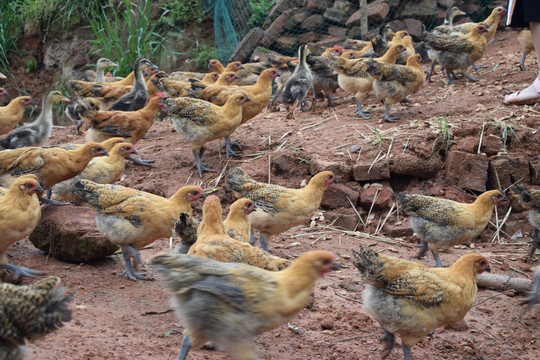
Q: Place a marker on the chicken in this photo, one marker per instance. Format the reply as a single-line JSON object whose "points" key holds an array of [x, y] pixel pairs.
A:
{"points": [[530, 200], [200, 121], [133, 219], [19, 215], [137, 98], [457, 52], [131, 125], [52, 165], [226, 81], [250, 72], [230, 304], [380, 46], [259, 95], [324, 79], [278, 208], [525, 39], [12, 113], [443, 223], [393, 83], [175, 87], [30, 312], [217, 66], [237, 224], [298, 85], [214, 243], [37, 132], [353, 78], [411, 300], [101, 170], [465, 28]]}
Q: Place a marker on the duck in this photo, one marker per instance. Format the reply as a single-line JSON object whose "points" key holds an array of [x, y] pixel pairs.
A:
{"points": [[99, 74], [137, 98], [37, 132]]}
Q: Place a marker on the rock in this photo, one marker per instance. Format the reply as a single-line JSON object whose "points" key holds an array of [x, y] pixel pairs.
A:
{"points": [[461, 326], [379, 171], [247, 45], [308, 37], [313, 22], [445, 3], [468, 144], [259, 54], [510, 169], [69, 233], [400, 230], [278, 9], [287, 43], [340, 12], [474, 166], [491, 145], [356, 33], [340, 169], [423, 10], [325, 41], [319, 5], [376, 12], [337, 31], [413, 165], [384, 201], [415, 28], [336, 196], [285, 164], [70, 49], [273, 32], [396, 25], [349, 222]]}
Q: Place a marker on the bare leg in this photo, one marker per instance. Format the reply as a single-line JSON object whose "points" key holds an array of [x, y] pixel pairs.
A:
{"points": [[437, 260], [228, 147], [19, 271], [531, 92], [200, 165], [186, 345], [423, 249], [263, 243], [406, 351], [359, 111], [532, 299], [140, 161], [431, 68], [522, 62], [129, 253], [535, 243], [478, 67], [252, 238], [390, 340], [472, 78], [387, 116]]}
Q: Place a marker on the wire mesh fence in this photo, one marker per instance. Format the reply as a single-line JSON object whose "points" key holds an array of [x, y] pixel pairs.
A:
{"points": [[240, 26]]}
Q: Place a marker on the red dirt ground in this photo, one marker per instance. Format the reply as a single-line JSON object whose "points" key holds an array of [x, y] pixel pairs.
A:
{"points": [[114, 318]]}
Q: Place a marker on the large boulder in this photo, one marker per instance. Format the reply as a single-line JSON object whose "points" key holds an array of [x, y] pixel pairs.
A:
{"points": [[467, 171], [69, 233]]}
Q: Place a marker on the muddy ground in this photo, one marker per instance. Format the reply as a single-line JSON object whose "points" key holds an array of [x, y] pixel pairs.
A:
{"points": [[114, 318]]}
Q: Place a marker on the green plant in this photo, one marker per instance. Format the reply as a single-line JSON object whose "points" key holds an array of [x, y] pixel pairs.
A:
{"points": [[10, 30], [443, 137], [126, 34], [259, 11], [182, 12], [201, 53], [505, 126], [31, 66]]}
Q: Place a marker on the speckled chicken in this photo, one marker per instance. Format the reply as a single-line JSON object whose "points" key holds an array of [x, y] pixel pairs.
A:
{"points": [[279, 208], [132, 218], [30, 312], [200, 121], [102, 170], [380, 46], [530, 200], [230, 304], [411, 300], [38, 131], [393, 83], [213, 242], [353, 77], [298, 85], [457, 53], [443, 223], [19, 215], [12, 114]]}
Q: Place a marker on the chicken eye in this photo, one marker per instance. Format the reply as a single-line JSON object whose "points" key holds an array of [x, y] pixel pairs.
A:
{"points": [[29, 185], [326, 262]]}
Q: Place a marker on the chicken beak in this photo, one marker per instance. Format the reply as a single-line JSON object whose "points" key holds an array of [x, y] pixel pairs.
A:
{"points": [[39, 189], [336, 266], [133, 151], [488, 268], [105, 153]]}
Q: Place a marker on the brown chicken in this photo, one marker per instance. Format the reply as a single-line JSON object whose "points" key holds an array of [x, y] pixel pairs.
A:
{"points": [[237, 224], [217, 66], [12, 113], [101, 170], [278, 208], [133, 219], [525, 39], [251, 72], [29, 313], [52, 165], [530, 200], [457, 53], [131, 125], [411, 300], [200, 121], [393, 83], [353, 78], [19, 215], [443, 223], [213, 242], [230, 304]]}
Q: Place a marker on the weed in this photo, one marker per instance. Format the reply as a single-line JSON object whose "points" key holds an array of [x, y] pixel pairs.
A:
{"points": [[182, 12], [31, 66], [10, 30], [443, 137], [505, 126], [201, 53], [259, 11]]}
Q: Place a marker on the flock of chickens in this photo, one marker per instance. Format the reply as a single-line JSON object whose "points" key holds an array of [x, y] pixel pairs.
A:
{"points": [[216, 272]]}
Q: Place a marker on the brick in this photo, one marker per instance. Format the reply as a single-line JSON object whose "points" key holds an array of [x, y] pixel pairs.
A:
{"points": [[467, 171], [379, 171]]}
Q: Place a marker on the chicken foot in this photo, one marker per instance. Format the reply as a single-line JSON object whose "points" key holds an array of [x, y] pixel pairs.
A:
{"points": [[478, 67], [390, 340], [129, 253], [387, 116], [522, 62], [184, 349], [140, 161], [19, 271], [228, 147], [423, 249], [359, 111], [535, 243], [200, 166]]}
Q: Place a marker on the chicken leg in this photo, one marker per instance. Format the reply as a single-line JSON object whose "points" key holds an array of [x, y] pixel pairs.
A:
{"points": [[19, 271], [129, 253], [184, 349], [535, 243], [359, 111], [387, 116], [140, 161], [228, 147], [200, 166], [423, 249]]}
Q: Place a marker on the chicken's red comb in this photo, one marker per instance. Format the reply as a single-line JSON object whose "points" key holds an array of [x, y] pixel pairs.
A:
{"points": [[160, 94], [109, 74]]}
